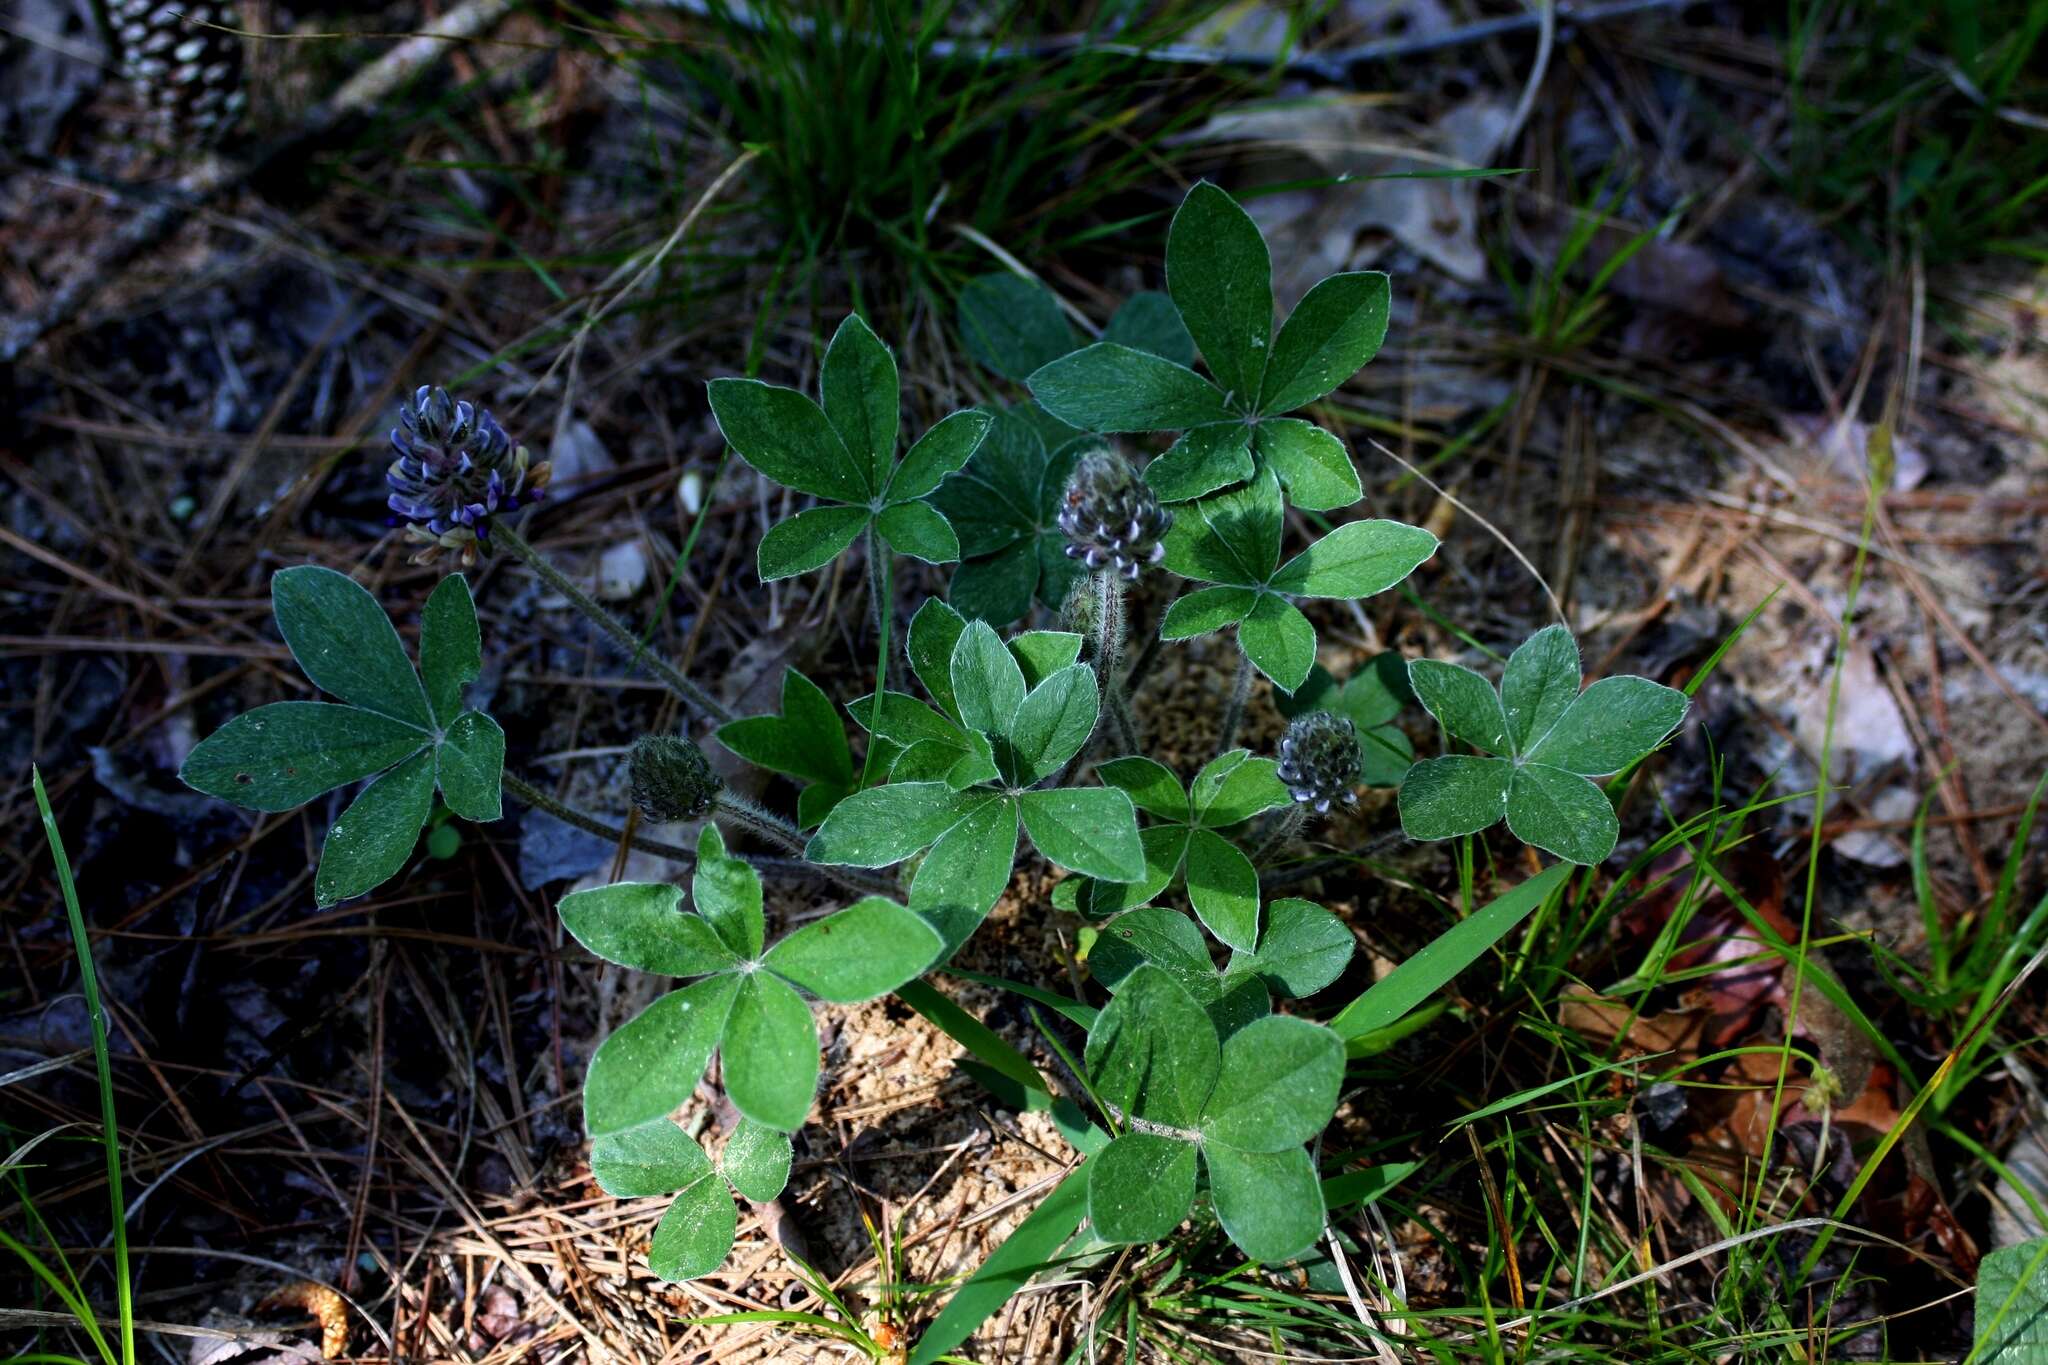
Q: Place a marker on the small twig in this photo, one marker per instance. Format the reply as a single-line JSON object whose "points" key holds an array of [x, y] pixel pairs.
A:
{"points": [[614, 629], [1491, 529]]}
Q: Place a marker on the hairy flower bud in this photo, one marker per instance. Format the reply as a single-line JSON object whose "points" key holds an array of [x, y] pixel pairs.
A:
{"points": [[456, 467], [1320, 761], [184, 63], [671, 778], [1111, 516]]}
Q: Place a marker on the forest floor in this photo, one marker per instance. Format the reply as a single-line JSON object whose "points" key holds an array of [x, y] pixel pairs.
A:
{"points": [[382, 1098]]}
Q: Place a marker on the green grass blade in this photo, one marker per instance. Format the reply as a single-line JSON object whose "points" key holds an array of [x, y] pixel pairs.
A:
{"points": [[968, 1031], [89, 981], [1431, 969], [1023, 1254]]}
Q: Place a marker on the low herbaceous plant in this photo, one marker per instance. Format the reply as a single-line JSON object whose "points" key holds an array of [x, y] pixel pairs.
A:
{"points": [[927, 783]]}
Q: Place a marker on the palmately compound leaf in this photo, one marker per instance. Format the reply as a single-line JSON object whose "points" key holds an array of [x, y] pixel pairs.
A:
{"points": [[843, 451], [1169, 941], [1140, 1187], [280, 756], [1219, 275], [1543, 739], [868, 949]]}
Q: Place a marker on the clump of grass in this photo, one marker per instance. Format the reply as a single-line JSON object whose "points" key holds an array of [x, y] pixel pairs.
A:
{"points": [[1917, 124], [897, 138]]}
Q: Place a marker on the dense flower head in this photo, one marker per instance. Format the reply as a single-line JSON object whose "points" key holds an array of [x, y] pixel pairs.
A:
{"points": [[1320, 761], [1111, 516], [455, 469], [672, 780]]}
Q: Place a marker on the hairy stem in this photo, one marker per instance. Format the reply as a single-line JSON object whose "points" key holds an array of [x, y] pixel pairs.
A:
{"points": [[759, 819], [1141, 667], [1233, 714], [1108, 647], [615, 630], [1284, 827]]}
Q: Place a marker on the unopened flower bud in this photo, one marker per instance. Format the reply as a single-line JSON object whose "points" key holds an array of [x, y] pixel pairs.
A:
{"points": [[456, 468], [671, 778], [1320, 761], [1111, 516]]}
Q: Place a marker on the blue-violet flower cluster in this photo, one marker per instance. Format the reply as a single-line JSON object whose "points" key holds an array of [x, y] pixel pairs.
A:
{"points": [[456, 468]]}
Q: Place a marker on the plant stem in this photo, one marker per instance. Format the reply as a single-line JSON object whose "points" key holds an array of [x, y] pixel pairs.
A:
{"points": [[614, 629], [89, 983], [1108, 625], [759, 819], [788, 869], [1285, 827], [1233, 714], [1141, 667]]}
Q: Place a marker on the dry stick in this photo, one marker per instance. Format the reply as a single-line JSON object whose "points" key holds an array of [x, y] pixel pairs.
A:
{"points": [[614, 629], [218, 174], [1491, 529]]}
